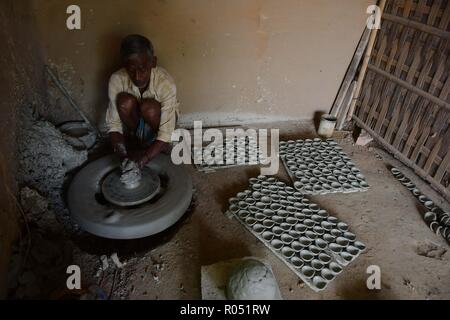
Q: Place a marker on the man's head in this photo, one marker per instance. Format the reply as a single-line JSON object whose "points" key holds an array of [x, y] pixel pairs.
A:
{"points": [[138, 58]]}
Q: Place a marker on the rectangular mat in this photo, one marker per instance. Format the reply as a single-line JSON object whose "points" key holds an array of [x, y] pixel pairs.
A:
{"points": [[312, 243], [320, 167]]}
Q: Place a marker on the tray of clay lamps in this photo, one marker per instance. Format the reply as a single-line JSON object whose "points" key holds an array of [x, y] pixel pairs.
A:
{"points": [[320, 167], [313, 244], [241, 151]]}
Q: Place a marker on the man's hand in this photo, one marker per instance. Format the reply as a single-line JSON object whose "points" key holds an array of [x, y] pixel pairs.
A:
{"points": [[142, 160], [156, 148], [118, 144]]}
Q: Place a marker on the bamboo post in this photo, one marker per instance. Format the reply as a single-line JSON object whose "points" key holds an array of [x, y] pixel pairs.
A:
{"points": [[440, 102], [336, 110], [362, 73], [345, 105]]}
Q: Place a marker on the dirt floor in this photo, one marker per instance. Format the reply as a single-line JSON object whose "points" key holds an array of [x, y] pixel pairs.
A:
{"points": [[387, 218]]}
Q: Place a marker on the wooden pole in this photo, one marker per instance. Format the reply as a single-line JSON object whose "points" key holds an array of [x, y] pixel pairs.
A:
{"points": [[417, 25], [362, 73], [345, 105], [350, 75], [410, 87]]}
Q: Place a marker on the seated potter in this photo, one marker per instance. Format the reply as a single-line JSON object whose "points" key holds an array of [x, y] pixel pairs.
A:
{"points": [[143, 106]]}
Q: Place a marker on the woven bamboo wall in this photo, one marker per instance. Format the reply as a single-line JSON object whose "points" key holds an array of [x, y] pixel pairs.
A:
{"points": [[405, 96]]}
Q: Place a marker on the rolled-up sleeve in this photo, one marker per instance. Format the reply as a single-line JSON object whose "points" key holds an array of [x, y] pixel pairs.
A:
{"points": [[113, 122], [166, 95]]}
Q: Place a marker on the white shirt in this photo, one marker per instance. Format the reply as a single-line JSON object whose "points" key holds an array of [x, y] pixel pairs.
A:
{"points": [[161, 88]]}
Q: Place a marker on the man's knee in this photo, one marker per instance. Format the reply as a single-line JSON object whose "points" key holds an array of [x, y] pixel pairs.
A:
{"points": [[126, 102], [150, 108]]}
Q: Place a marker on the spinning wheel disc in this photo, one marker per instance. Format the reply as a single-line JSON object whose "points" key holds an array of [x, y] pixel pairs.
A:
{"points": [[115, 191]]}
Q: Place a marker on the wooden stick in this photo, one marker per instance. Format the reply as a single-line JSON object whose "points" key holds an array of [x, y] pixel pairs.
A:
{"points": [[345, 106], [410, 87], [417, 25], [350, 75], [362, 73]]}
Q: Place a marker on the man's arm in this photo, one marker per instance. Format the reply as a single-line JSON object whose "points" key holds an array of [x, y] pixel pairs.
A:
{"points": [[113, 122]]}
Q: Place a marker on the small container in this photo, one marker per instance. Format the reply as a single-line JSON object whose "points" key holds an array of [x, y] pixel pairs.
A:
{"points": [[277, 230], [277, 219], [319, 282], [324, 258], [258, 228], [243, 214], [326, 126], [250, 221], [307, 272], [297, 246], [327, 274], [305, 242], [335, 268], [268, 223], [317, 265], [286, 239], [268, 236], [306, 255], [297, 262], [287, 252], [277, 244]]}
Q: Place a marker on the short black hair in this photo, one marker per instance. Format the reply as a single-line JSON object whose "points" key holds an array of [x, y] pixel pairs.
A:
{"points": [[135, 43]]}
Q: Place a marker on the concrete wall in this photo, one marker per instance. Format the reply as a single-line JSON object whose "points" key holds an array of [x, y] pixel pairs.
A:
{"points": [[233, 60], [22, 83]]}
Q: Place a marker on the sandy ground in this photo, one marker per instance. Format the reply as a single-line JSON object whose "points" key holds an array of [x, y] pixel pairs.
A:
{"points": [[386, 218]]}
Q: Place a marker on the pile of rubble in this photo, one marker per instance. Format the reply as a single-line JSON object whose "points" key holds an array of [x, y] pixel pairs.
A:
{"points": [[44, 159], [40, 258]]}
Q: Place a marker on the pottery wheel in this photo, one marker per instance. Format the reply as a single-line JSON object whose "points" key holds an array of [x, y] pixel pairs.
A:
{"points": [[102, 218], [116, 192]]}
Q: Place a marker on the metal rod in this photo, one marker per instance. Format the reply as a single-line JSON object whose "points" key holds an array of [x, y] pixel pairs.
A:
{"points": [[72, 103]]}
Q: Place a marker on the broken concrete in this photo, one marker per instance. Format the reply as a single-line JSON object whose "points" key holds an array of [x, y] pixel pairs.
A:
{"points": [[364, 138], [430, 249]]}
